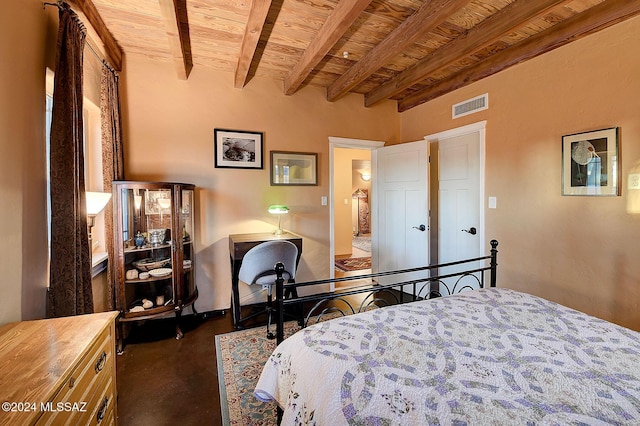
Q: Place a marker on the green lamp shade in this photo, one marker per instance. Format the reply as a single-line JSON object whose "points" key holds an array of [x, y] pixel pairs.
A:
{"points": [[278, 209]]}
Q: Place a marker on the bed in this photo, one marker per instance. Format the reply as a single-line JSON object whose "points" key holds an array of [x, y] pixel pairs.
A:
{"points": [[482, 356]]}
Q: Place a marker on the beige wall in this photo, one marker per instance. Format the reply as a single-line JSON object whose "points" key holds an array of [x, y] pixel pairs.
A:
{"points": [[23, 228], [169, 136], [579, 251]]}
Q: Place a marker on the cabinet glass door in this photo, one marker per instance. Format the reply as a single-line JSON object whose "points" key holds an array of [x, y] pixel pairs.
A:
{"points": [[186, 225], [148, 254]]}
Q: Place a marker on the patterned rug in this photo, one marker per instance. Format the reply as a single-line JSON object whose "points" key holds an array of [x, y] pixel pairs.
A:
{"points": [[353, 264], [363, 243], [240, 356]]}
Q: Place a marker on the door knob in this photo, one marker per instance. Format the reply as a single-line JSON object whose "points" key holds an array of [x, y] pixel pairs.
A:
{"points": [[420, 228], [471, 230]]}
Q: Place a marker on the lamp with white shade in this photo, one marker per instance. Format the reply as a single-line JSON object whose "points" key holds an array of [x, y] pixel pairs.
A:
{"points": [[96, 202]]}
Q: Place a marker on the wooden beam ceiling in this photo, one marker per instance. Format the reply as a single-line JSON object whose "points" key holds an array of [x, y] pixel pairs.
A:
{"points": [[482, 35], [112, 50], [255, 24], [410, 51], [340, 20], [429, 16], [180, 51], [592, 20]]}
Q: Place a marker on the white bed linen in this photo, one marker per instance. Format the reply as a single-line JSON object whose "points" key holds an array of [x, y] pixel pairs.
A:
{"points": [[491, 356]]}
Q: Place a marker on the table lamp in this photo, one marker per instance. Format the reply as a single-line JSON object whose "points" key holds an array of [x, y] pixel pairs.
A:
{"points": [[278, 209]]}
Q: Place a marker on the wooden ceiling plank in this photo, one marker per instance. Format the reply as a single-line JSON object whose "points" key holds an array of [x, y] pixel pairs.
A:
{"points": [[257, 18], [482, 35], [112, 50], [179, 52], [428, 17], [338, 22], [588, 22]]}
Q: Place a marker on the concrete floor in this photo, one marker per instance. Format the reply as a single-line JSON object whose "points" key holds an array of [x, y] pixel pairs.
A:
{"points": [[164, 381]]}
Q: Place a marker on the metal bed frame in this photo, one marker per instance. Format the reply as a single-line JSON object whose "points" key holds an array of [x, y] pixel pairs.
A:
{"points": [[431, 285]]}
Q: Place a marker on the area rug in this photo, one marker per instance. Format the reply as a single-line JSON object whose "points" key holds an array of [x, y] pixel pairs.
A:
{"points": [[353, 264], [363, 243], [240, 357]]}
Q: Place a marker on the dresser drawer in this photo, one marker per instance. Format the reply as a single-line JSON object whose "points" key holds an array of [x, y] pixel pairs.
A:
{"points": [[83, 393], [104, 403]]}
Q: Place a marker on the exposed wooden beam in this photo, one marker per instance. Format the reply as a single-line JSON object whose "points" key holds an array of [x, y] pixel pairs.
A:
{"points": [[112, 50], [257, 18], [590, 21], [429, 16], [340, 20], [180, 52], [484, 34]]}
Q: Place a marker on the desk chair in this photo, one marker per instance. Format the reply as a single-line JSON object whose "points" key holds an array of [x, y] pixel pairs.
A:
{"points": [[258, 268]]}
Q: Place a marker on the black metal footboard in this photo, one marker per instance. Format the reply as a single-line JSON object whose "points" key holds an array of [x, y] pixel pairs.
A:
{"points": [[382, 288]]}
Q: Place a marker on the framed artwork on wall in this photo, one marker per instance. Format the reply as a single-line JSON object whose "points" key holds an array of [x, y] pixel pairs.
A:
{"points": [[591, 163], [238, 149], [294, 168]]}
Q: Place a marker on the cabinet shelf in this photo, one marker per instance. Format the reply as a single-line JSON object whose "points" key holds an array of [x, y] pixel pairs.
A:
{"points": [[152, 278], [146, 248], [162, 213], [149, 280]]}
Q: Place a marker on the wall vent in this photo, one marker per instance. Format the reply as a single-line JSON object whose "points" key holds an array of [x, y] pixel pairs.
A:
{"points": [[470, 106]]}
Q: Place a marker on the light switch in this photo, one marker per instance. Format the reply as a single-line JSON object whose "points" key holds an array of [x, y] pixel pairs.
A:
{"points": [[493, 202], [323, 200], [346, 201], [634, 181]]}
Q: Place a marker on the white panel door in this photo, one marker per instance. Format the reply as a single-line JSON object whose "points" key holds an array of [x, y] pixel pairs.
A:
{"points": [[400, 208], [459, 215]]}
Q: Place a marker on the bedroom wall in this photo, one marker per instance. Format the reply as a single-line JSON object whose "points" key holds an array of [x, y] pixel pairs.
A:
{"points": [[168, 133], [23, 256], [578, 251]]}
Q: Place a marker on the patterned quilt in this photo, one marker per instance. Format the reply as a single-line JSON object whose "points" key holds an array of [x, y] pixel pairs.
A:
{"points": [[491, 356]]}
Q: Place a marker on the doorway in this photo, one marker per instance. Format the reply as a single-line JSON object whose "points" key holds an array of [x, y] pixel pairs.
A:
{"points": [[350, 201], [476, 241]]}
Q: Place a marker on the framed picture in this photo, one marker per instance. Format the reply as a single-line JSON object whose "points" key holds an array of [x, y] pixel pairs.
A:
{"points": [[238, 149], [591, 163], [294, 168]]}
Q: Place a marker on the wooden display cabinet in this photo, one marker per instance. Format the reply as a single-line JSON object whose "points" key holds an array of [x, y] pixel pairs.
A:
{"points": [[154, 251]]}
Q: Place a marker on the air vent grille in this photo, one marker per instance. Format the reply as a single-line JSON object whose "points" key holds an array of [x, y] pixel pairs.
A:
{"points": [[470, 106]]}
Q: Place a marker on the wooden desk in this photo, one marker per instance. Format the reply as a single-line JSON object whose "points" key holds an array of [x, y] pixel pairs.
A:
{"points": [[239, 245]]}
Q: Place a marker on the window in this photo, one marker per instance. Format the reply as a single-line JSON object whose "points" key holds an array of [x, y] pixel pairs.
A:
{"points": [[92, 164]]}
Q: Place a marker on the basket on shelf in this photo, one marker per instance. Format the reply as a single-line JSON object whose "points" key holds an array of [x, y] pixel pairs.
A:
{"points": [[147, 264]]}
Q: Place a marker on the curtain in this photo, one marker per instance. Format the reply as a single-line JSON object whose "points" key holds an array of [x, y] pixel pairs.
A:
{"points": [[112, 162], [70, 267]]}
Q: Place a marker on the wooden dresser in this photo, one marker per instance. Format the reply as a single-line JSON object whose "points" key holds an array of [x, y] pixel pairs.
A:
{"points": [[59, 371]]}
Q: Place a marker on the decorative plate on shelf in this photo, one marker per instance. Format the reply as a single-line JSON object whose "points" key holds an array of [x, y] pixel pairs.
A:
{"points": [[160, 272]]}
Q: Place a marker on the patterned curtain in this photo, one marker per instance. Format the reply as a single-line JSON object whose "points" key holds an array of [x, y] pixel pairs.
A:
{"points": [[70, 267], [112, 162]]}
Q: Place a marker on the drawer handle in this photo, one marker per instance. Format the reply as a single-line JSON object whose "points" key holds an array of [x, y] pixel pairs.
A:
{"points": [[102, 411], [101, 362]]}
